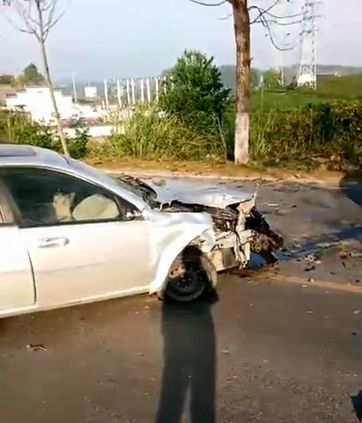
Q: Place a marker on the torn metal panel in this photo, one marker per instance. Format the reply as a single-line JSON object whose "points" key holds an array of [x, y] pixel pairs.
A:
{"points": [[218, 197]]}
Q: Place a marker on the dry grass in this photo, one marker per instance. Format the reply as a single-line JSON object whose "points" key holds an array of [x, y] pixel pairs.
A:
{"points": [[209, 169]]}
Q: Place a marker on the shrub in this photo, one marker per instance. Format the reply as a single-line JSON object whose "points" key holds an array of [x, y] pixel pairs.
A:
{"points": [[153, 135], [18, 128], [303, 134], [321, 129], [78, 145], [194, 86]]}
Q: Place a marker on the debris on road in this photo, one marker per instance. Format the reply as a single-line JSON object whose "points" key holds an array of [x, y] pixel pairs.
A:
{"points": [[312, 258], [309, 268], [357, 312], [36, 347]]}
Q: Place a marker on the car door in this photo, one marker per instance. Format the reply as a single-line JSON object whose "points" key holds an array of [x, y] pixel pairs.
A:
{"points": [[83, 241], [16, 278]]}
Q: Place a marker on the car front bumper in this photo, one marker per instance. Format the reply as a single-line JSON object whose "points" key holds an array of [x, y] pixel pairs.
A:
{"points": [[233, 249]]}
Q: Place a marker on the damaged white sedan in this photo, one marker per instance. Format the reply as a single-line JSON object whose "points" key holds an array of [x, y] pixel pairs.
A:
{"points": [[70, 234]]}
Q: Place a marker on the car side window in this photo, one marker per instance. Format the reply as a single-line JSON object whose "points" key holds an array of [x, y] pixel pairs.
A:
{"points": [[6, 215], [45, 197]]}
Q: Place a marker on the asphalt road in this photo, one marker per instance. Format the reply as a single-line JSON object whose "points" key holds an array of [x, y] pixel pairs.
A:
{"points": [[282, 345]]}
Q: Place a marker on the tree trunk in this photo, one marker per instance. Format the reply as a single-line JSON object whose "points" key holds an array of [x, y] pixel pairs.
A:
{"points": [[49, 81], [242, 120]]}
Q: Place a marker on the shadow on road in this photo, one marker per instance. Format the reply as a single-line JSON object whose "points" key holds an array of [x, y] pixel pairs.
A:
{"points": [[189, 362], [357, 405], [351, 185]]}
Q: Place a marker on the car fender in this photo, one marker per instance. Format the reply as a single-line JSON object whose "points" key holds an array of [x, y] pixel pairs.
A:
{"points": [[171, 235]]}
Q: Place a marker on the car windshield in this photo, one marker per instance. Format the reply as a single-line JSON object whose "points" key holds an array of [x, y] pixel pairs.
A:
{"points": [[126, 182]]}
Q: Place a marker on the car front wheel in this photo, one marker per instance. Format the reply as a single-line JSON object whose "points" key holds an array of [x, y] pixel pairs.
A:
{"points": [[191, 275]]}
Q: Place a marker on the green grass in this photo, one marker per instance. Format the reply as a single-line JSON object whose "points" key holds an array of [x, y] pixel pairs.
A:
{"points": [[331, 89]]}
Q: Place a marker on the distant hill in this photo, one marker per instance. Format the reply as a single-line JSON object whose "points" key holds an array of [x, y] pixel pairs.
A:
{"points": [[338, 69], [228, 75]]}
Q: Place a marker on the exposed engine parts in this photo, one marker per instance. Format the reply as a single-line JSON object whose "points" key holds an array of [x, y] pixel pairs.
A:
{"points": [[264, 241]]}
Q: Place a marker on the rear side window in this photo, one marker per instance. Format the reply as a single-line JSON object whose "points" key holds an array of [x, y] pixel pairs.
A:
{"points": [[45, 197]]}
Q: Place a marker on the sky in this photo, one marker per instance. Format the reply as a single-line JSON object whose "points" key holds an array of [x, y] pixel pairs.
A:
{"points": [[133, 38]]}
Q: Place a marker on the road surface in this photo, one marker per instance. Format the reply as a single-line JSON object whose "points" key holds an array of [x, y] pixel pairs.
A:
{"points": [[281, 345]]}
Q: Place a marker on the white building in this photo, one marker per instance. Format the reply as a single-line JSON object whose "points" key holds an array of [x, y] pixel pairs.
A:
{"points": [[37, 102], [90, 92]]}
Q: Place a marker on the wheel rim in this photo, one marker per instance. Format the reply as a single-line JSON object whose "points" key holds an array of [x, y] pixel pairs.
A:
{"points": [[186, 279]]}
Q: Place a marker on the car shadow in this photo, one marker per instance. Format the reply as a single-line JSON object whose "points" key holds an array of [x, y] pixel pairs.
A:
{"points": [[189, 361], [351, 186], [357, 405]]}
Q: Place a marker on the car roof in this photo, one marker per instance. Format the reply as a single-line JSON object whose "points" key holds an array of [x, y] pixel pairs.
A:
{"points": [[27, 155]]}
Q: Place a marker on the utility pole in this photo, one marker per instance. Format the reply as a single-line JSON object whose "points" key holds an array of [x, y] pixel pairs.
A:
{"points": [[148, 86], [157, 87], [119, 93], [106, 98], [142, 90], [133, 92], [128, 93], [75, 95]]}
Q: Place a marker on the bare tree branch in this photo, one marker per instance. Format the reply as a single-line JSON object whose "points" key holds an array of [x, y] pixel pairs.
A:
{"points": [[220, 3], [51, 24], [38, 18]]}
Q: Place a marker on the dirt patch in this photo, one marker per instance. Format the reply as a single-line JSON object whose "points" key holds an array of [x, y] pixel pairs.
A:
{"points": [[220, 170]]}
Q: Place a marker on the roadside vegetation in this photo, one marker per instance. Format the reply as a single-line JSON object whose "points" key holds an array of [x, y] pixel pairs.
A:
{"points": [[293, 128], [194, 121], [18, 128]]}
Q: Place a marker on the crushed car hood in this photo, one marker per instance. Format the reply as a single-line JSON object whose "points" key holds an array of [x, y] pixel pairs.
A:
{"points": [[218, 197]]}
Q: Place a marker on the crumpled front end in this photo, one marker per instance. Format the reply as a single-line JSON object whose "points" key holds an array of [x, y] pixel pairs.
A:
{"points": [[240, 231], [265, 241], [233, 238], [239, 228]]}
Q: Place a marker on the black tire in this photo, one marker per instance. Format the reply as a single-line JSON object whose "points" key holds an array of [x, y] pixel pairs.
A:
{"points": [[191, 275]]}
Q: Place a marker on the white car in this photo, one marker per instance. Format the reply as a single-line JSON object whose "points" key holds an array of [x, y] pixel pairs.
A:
{"points": [[70, 234]]}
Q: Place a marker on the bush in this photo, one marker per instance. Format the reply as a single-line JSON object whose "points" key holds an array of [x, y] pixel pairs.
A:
{"points": [[192, 86], [78, 146], [325, 130], [193, 92], [151, 134], [18, 128], [329, 132]]}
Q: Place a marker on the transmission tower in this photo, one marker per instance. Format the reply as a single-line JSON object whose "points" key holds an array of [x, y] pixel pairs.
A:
{"points": [[307, 75], [285, 32]]}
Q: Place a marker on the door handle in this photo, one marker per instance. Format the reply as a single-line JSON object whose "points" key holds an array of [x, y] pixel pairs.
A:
{"points": [[52, 242]]}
